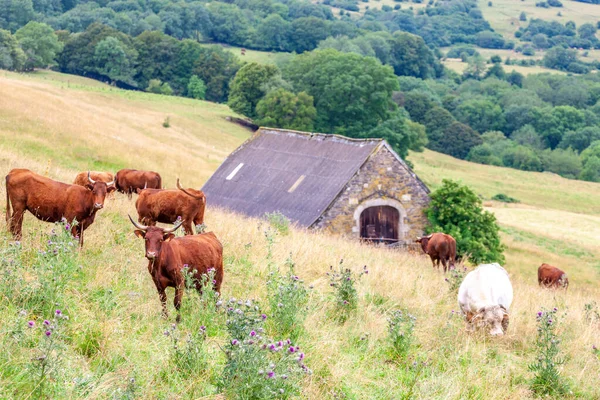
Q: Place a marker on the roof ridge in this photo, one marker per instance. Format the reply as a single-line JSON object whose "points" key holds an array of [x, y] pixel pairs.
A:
{"points": [[264, 129]]}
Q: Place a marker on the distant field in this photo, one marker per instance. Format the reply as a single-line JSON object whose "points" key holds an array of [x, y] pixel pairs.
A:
{"points": [[262, 57], [376, 5], [458, 66], [503, 16]]}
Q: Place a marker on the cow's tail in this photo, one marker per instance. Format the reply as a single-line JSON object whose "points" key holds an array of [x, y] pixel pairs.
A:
{"points": [[159, 181], [7, 202], [452, 254], [201, 197]]}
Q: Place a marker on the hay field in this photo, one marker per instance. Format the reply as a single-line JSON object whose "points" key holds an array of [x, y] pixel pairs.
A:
{"points": [[115, 333], [503, 16], [458, 66]]}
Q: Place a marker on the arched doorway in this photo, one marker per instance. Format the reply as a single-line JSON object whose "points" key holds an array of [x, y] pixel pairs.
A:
{"points": [[380, 224]]}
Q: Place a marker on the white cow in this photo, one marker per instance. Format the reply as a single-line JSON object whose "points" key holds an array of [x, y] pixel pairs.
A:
{"points": [[484, 296]]}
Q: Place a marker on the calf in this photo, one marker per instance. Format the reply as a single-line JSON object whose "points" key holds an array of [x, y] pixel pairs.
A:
{"points": [[439, 247], [552, 277], [129, 180], [166, 206], [52, 201], [485, 296], [167, 256]]}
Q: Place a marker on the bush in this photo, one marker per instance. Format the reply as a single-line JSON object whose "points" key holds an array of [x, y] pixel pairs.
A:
{"points": [[547, 379], [523, 16], [158, 87], [456, 210], [504, 198], [555, 3], [196, 88], [523, 158], [566, 163]]}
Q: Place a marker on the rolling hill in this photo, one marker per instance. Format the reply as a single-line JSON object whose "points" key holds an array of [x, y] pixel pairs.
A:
{"points": [[113, 345]]}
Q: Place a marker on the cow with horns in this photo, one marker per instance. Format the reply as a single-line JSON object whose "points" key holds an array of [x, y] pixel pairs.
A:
{"points": [[52, 201], [82, 178], [439, 247], [129, 180], [168, 256], [166, 206]]}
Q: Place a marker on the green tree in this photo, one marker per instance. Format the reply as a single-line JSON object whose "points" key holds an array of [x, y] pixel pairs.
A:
{"points": [[12, 56], [457, 140], [553, 123], [353, 94], [564, 162], [476, 68], [481, 114], [521, 157], [40, 44], [591, 170], [402, 134], [158, 87], [456, 210], [216, 67], [418, 104], [283, 109], [436, 120], [411, 56], [247, 87], [273, 33], [196, 88], [580, 139], [559, 58], [587, 31], [112, 61]]}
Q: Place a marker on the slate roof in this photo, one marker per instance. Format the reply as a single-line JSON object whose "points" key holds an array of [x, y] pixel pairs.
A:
{"points": [[298, 174]]}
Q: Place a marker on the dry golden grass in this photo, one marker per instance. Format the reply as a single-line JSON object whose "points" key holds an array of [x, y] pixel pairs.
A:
{"points": [[59, 131], [459, 66]]}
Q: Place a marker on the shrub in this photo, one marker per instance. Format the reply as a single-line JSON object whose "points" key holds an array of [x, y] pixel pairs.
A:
{"points": [[196, 88], [158, 87], [167, 122], [287, 298], [504, 198], [523, 16], [401, 326], [547, 379], [456, 210], [279, 222]]}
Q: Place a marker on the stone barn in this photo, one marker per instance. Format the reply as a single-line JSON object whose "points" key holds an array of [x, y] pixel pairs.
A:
{"points": [[358, 188]]}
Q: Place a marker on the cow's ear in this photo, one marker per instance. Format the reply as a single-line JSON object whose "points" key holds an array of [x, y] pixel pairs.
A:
{"points": [[89, 186], [139, 233], [110, 189], [168, 237]]}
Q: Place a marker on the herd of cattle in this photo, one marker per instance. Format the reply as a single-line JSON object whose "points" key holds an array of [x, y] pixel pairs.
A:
{"points": [[167, 255], [484, 296]]}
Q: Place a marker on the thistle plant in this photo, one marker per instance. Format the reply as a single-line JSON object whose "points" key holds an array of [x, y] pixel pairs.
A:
{"points": [[591, 313], [401, 326], [46, 362], [455, 278], [258, 367], [206, 313], [547, 379], [287, 299], [188, 352], [345, 294]]}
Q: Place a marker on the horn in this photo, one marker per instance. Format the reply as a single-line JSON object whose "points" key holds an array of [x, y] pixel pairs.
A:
{"points": [[139, 226], [90, 179], [111, 182], [178, 185], [173, 229]]}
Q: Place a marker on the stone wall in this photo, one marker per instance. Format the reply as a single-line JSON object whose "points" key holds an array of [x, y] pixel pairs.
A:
{"points": [[382, 180]]}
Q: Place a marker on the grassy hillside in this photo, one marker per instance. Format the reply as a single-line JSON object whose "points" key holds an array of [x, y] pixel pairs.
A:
{"points": [[113, 344]]}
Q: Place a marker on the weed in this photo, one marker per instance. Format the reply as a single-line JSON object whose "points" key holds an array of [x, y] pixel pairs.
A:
{"points": [[591, 313], [258, 367], [167, 122], [188, 353], [455, 278], [279, 222], [287, 299], [401, 326], [346, 296], [547, 379]]}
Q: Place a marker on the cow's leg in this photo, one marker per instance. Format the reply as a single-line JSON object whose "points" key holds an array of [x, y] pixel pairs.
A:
{"points": [[16, 222], [444, 264], [432, 261], [163, 300], [178, 296], [187, 227]]}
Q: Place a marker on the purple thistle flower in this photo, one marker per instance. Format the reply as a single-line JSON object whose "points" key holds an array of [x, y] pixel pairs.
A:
{"points": [[264, 316], [555, 309], [594, 347], [272, 347], [549, 322], [366, 271], [46, 322], [288, 341], [295, 278], [280, 344], [202, 328], [253, 333], [67, 227], [58, 312], [270, 374], [291, 349], [234, 342], [539, 314], [31, 324], [48, 333], [301, 357], [348, 278]]}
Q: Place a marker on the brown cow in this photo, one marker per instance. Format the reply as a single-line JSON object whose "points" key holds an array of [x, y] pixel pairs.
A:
{"points": [[440, 247], [167, 256], [550, 276], [82, 178], [166, 206], [129, 180], [52, 201]]}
